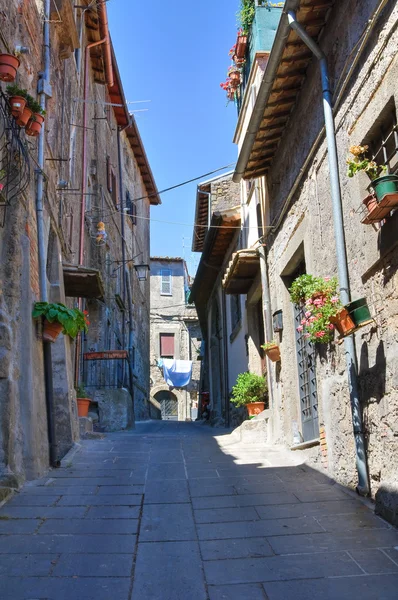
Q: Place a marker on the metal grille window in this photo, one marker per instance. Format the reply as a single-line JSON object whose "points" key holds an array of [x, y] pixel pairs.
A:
{"points": [[307, 380], [165, 282], [384, 145]]}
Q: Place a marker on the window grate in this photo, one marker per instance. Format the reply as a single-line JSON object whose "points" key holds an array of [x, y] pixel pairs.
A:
{"points": [[384, 148]]}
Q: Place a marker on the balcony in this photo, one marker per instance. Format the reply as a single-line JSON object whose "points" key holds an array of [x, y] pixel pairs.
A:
{"points": [[261, 37]]}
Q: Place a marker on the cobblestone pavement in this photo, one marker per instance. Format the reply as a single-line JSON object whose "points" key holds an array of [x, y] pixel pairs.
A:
{"points": [[164, 513]]}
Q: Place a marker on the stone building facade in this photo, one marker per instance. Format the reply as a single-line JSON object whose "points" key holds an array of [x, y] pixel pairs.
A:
{"points": [[282, 147], [80, 271], [175, 333]]}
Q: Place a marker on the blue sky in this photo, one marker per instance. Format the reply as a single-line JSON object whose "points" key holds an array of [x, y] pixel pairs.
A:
{"points": [[175, 54]]}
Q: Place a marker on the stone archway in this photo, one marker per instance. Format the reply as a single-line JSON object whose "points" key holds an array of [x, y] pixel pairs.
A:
{"points": [[156, 395]]}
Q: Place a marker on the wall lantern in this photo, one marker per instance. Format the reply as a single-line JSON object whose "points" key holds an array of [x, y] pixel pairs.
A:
{"points": [[277, 320], [142, 272]]}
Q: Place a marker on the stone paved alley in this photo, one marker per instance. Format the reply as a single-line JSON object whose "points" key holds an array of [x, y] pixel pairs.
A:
{"points": [[165, 513]]}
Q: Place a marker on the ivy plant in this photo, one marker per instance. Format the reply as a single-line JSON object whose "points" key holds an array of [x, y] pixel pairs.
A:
{"points": [[248, 388], [72, 320]]}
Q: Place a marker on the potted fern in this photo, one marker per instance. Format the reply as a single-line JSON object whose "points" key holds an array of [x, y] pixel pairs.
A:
{"points": [[36, 121], [272, 350], [58, 317], [17, 97], [250, 390]]}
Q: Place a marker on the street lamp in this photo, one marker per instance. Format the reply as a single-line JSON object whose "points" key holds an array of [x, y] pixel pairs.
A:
{"points": [[142, 272]]}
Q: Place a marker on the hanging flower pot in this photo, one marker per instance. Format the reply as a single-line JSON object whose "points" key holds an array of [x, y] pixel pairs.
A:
{"points": [[255, 408], [387, 184], [9, 65], [34, 125], [51, 330], [83, 405], [17, 105], [343, 322], [359, 312], [240, 49], [370, 202], [272, 350], [24, 117], [235, 77]]}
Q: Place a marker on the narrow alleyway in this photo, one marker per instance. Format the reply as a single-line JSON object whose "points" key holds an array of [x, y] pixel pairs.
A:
{"points": [[164, 513]]}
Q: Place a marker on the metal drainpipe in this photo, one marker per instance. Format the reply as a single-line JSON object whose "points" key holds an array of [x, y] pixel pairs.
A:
{"points": [[131, 338], [44, 89], [363, 487]]}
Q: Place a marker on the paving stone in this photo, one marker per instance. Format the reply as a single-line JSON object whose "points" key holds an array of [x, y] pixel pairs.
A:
{"points": [[166, 492], [103, 500], [60, 490], [237, 592], [238, 548], [94, 565], [315, 509], [120, 490], [43, 512], [28, 500], [166, 471], [79, 544], [341, 588], [25, 565], [19, 526], [225, 515], [113, 512], [249, 570], [374, 561], [122, 526], [199, 488], [365, 520], [168, 571], [169, 522], [329, 542], [278, 527], [55, 588], [201, 473], [316, 495], [242, 501]]}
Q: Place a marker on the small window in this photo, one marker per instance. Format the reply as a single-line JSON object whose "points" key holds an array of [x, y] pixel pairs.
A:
{"points": [[131, 209], [236, 312], [384, 143], [166, 345], [165, 282], [114, 188], [108, 174], [108, 108]]}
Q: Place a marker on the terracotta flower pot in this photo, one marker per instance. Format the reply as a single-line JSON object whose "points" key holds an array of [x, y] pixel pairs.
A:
{"points": [[240, 49], [83, 406], [51, 330], [273, 353], [235, 77], [370, 202], [255, 408], [34, 125], [9, 65], [23, 118], [17, 104], [343, 322]]}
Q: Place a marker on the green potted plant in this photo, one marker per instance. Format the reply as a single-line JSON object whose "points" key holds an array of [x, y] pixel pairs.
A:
{"points": [[58, 317], [83, 401], [17, 99], [382, 183], [250, 390], [9, 65], [24, 118], [37, 119], [272, 350]]}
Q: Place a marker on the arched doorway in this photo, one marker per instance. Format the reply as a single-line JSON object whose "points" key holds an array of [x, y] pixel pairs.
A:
{"points": [[168, 405]]}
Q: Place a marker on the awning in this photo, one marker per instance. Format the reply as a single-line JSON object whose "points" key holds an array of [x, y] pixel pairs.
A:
{"points": [[241, 272], [82, 282]]}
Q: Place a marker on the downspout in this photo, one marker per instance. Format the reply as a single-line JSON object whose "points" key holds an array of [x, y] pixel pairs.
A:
{"points": [[44, 89], [131, 338], [363, 487]]}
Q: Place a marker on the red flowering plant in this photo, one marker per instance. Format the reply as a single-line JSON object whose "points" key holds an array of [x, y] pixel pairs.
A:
{"points": [[320, 300]]}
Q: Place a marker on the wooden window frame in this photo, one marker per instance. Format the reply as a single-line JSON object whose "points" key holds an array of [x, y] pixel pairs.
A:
{"points": [[169, 274]]}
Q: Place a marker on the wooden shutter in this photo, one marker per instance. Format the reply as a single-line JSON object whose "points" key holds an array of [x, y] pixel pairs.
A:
{"points": [[165, 284], [167, 345]]}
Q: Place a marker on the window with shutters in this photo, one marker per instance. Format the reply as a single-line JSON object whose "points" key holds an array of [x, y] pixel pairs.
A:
{"points": [[165, 282], [166, 345]]}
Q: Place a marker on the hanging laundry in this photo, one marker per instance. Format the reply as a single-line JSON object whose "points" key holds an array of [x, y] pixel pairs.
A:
{"points": [[177, 373]]}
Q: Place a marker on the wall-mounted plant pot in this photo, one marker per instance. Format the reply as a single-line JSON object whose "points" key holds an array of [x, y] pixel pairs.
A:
{"points": [[83, 405], [343, 322], [255, 408], [359, 312], [231, 95], [34, 125], [388, 184], [241, 45], [17, 105], [273, 353], [9, 65], [51, 330], [370, 202], [24, 118]]}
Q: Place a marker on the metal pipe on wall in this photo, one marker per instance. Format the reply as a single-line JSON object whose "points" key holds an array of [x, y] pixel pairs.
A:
{"points": [[363, 481], [44, 89]]}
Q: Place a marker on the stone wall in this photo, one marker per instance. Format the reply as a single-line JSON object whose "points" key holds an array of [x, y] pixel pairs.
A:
{"points": [[307, 234]]}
